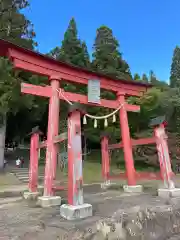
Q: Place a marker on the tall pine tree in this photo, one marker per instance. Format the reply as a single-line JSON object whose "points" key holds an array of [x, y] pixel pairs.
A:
{"points": [[175, 69], [156, 82], [137, 77], [152, 77], [73, 50], [144, 78], [106, 56]]}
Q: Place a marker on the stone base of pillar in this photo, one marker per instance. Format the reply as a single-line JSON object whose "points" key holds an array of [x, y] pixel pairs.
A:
{"points": [[49, 201], [168, 193], [31, 195], [70, 212], [106, 184], [133, 189]]}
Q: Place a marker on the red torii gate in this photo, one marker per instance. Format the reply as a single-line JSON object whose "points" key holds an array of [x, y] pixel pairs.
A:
{"points": [[23, 59]]}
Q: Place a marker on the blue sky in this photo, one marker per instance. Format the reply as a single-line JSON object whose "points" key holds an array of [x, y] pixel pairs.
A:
{"points": [[148, 30]]}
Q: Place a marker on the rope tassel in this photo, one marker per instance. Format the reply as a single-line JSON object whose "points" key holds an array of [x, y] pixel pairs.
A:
{"points": [[114, 118], [95, 123], [84, 120], [105, 122]]}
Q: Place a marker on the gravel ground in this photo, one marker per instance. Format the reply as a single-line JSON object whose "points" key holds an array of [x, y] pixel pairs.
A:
{"points": [[26, 221]]}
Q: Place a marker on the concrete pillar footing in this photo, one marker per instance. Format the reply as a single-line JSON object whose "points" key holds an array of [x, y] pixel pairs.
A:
{"points": [[169, 193], [106, 184], [133, 189], [49, 201], [30, 195], [70, 212]]}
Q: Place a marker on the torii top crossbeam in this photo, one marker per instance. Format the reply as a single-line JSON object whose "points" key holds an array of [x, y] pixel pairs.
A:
{"points": [[37, 63]]}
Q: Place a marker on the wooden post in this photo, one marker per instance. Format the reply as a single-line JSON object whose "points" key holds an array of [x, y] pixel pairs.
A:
{"points": [[126, 141], [163, 155], [75, 175], [53, 127], [33, 166], [105, 157]]}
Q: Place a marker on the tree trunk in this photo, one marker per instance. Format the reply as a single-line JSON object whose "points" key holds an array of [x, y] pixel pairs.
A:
{"points": [[2, 141]]}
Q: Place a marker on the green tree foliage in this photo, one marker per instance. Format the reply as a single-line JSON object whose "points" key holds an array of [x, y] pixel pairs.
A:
{"points": [[145, 78], [137, 77], [156, 82], [175, 68], [152, 78], [106, 56], [16, 28], [72, 50]]}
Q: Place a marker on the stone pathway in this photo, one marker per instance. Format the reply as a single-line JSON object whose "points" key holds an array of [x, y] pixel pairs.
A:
{"points": [[23, 174]]}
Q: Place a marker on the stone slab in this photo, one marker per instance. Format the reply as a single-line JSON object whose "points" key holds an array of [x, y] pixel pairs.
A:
{"points": [[169, 193], [49, 201], [30, 195], [27, 177], [133, 189], [70, 212], [106, 184]]}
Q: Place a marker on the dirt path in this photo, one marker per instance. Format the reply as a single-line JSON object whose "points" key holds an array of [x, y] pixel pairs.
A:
{"points": [[27, 222]]}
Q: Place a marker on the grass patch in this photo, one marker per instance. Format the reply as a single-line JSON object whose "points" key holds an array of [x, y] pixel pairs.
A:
{"points": [[91, 173], [7, 179], [92, 168]]}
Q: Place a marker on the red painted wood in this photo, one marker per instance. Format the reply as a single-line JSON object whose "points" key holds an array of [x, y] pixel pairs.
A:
{"points": [[13, 51], [57, 139], [59, 188], [36, 90], [105, 158], [163, 155], [75, 175], [33, 166], [74, 97], [47, 68], [143, 141], [134, 142], [127, 148], [51, 149]]}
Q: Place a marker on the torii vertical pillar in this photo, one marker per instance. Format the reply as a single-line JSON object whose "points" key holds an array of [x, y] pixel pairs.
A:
{"points": [[33, 165], [127, 147], [76, 208], [51, 150], [163, 156], [169, 189], [105, 160]]}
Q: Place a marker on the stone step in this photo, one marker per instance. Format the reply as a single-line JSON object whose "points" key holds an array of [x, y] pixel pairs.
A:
{"points": [[19, 169], [27, 177], [22, 170], [25, 180], [23, 174], [26, 173]]}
